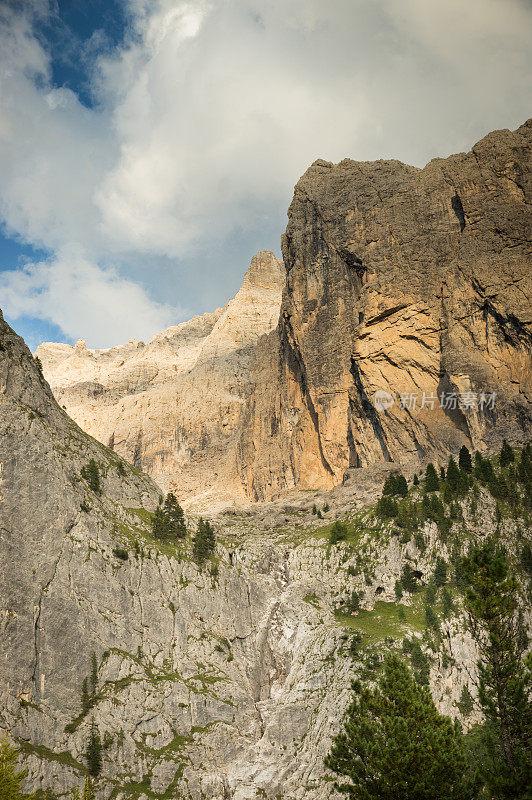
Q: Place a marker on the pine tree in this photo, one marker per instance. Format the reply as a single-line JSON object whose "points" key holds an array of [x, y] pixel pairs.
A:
{"points": [[453, 476], [158, 522], [93, 753], [88, 790], [396, 746], [408, 581], [91, 474], [506, 455], [204, 541], [416, 480], [389, 485], [401, 486], [440, 572], [174, 517], [491, 604], [464, 460], [432, 483], [338, 532], [11, 778]]}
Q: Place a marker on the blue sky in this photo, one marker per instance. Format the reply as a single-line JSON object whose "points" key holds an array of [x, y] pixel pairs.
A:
{"points": [[148, 148]]}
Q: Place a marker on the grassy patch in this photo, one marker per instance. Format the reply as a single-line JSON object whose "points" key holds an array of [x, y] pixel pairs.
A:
{"points": [[383, 621]]}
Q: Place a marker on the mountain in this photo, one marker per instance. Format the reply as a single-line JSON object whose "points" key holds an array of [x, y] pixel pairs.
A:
{"points": [[227, 680], [412, 282], [173, 406]]}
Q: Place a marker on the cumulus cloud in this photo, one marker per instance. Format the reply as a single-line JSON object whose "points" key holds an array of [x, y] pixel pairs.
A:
{"points": [[77, 295], [207, 113]]}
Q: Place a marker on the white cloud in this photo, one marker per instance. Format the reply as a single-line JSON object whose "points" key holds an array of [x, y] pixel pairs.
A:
{"points": [[209, 112], [77, 295]]}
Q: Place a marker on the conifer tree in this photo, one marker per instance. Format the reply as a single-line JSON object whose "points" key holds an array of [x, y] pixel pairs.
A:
{"points": [[464, 460], [204, 541], [416, 480], [11, 778], [158, 522], [440, 572], [93, 754], [401, 486], [432, 483], [396, 746], [91, 474], [506, 455], [174, 517], [504, 679]]}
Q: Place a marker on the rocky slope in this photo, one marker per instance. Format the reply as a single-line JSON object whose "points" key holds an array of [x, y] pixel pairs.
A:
{"points": [[173, 406], [415, 282], [225, 682]]}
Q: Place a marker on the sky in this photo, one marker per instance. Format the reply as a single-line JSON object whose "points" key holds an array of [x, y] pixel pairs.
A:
{"points": [[148, 148]]}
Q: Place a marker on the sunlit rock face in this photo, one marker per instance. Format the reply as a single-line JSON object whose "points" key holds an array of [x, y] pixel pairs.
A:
{"points": [[415, 282], [412, 283], [173, 406]]}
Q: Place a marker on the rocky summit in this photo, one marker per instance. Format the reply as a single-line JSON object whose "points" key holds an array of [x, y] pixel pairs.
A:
{"points": [[412, 285], [163, 670]]}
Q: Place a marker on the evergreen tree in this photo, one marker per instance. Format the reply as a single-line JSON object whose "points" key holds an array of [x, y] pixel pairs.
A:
{"points": [[432, 483], [430, 595], [504, 682], [396, 746], [93, 753], [464, 460], [408, 581], [389, 485], [91, 474], [442, 473], [338, 532], [174, 517], [387, 507], [416, 480], [453, 476], [204, 541], [401, 486], [398, 589], [11, 778], [88, 791], [440, 572], [506, 455], [431, 618], [158, 522], [465, 704]]}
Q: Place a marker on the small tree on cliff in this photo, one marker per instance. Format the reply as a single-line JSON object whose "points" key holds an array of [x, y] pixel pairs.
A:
{"points": [[396, 746], [204, 541], [504, 678], [11, 778]]}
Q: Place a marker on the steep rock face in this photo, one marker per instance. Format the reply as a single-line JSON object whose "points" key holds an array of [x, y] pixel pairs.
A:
{"points": [[409, 281], [173, 406], [224, 684]]}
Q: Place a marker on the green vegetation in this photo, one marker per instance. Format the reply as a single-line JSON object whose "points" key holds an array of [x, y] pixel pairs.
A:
{"points": [[93, 754], [395, 744], [11, 778], [91, 473], [204, 542], [504, 677], [168, 521]]}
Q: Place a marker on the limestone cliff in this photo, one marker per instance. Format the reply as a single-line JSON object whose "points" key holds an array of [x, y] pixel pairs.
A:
{"points": [[412, 282], [173, 406], [225, 682], [415, 282], [220, 683]]}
